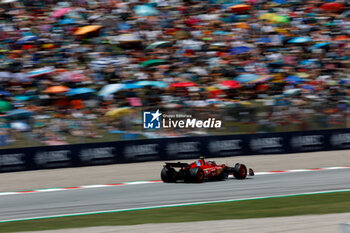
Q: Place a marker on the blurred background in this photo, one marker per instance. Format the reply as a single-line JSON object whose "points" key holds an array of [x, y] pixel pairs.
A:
{"points": [[84, 71]]}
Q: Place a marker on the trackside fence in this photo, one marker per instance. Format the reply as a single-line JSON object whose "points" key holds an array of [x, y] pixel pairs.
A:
{"points": [[161, 149]]}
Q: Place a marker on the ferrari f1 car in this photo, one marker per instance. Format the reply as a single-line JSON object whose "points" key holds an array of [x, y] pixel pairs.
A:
{"points": [[200, 171]]}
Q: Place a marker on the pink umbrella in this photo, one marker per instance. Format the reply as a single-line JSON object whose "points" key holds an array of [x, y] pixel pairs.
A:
{"points": [[252, 1], [69, 76], [60, 12]]}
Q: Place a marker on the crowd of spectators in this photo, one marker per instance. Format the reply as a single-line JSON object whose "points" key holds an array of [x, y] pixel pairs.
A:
{"points": [[69, 63]]}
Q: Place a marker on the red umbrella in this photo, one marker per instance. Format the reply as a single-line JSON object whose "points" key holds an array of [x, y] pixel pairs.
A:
{"points": [[332, 6], [240, 7], [214, 93], [341, 38], [231, 83], [183, 84]]}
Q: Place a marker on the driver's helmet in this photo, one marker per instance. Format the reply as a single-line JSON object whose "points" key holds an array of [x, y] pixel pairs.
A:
{"points": [[212, 163], [199, 163]]}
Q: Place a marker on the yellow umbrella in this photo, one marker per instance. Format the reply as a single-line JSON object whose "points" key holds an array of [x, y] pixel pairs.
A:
{"points": [[267, 16], [211, 88], [278, 78], [303, 75], [274, 18], [86, 29], [119, 112], [48, 46], [245, 103], [281, 30]]}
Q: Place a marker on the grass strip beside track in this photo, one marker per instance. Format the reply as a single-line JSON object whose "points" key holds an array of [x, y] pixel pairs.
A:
{"points": [[268, 207]]}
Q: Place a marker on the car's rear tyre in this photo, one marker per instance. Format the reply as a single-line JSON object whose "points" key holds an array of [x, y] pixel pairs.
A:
{"points": [[240, 171], [168, 175], [197, 175]]}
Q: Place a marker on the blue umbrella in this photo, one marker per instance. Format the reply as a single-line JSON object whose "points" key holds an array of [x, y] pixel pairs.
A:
{"points": [[280, 1], [131, 86], [80, 91], [294, 79], [145, 10], [319, 45], [264, 40], [19, 114], [308, 87], [66, 21], [307, 62], [124, 26], [23, 97], [345, 81], [5, 93], [158, 84], [41, 71], [240, 50], [244, 78], [26, 39], [298, 40], [222, 33]]}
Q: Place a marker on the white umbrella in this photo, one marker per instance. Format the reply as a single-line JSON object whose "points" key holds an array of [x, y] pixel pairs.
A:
{"points": [[104, 62], [199, 70], [293, 91], [8, 1], [125, 38], [20, 126], [110, 89], [5, 75], [158, 44]]}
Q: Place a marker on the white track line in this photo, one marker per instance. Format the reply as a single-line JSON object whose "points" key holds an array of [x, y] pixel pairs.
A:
{"points": [[156, 181], [174, 205]]}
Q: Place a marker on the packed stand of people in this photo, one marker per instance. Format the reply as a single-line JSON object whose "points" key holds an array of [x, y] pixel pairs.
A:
{"points": [[78, 68]]}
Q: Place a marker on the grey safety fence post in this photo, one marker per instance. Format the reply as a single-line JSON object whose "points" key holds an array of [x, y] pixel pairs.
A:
{"points": [[347, 115], [345, 227]]}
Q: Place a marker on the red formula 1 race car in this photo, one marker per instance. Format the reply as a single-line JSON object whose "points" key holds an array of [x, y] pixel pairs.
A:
{"points": [[200, 171]]}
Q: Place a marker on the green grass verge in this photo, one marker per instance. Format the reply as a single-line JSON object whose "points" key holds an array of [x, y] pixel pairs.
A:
{"points": [[270, 207]]}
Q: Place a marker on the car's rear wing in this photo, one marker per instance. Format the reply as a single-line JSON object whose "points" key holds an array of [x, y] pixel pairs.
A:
{"points": [[178, 164]]}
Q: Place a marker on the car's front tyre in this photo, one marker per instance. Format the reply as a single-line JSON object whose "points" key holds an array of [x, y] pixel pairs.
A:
{"points": [[240, 171]]}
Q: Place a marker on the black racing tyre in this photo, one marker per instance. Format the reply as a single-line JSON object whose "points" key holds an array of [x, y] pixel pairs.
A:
{"points": [[240, 171], [197, 175], [187, 176], [168, 175]]}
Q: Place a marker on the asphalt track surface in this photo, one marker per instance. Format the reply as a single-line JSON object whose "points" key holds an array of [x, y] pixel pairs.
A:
{"points": [[33, 205]]}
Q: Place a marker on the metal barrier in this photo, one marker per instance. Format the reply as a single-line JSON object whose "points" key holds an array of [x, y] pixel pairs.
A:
{"points": [[159, 149]]}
